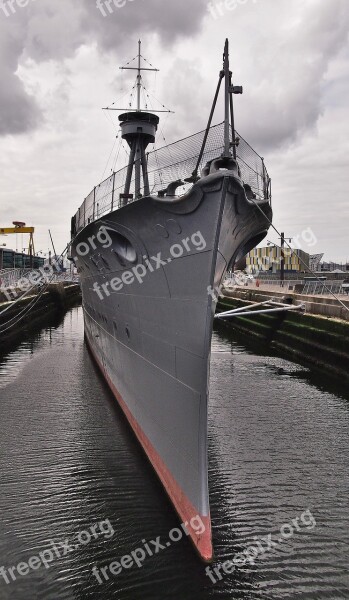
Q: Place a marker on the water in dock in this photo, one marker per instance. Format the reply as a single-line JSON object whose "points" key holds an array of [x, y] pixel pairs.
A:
{"points": [[77, 493]]}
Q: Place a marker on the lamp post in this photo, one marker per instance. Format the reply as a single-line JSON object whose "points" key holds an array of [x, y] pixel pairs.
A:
{"points": [[282, 257], [282, 260]]}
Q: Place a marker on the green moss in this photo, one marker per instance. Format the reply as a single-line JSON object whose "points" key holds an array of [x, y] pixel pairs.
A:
{"points": [[317, 339]]}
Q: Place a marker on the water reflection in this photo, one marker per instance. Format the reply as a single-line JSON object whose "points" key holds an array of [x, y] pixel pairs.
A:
{"points": [[278, 445]]}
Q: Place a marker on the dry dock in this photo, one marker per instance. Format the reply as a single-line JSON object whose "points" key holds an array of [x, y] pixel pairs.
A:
{"points": [[319, 337], [23, 315]]}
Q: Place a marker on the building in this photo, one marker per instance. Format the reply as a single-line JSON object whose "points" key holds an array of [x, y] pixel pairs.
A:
{"points": [[9, 259], [315, 262], [330, 267], [269, 259]]}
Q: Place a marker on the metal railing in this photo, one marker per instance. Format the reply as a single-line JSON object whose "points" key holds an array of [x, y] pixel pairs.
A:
{"points": [[317, 288], [287, 283], [9, 277], [173, 163], [310, 288], [31, 277]]}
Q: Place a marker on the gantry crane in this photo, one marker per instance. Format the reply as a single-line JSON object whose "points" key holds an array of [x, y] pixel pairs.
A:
{"points": [[20, 227]]}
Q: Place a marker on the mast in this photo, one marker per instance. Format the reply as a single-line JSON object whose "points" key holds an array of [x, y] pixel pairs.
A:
{"points": [[227, 75], [139, 77], [229, 90], [138, 128]]}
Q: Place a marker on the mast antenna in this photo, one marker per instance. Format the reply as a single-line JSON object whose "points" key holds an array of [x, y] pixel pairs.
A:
{"points": [[139, 70], [139, 84]]}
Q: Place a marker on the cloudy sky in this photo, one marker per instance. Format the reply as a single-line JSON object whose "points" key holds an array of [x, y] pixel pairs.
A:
{"points": [[59, 66]]}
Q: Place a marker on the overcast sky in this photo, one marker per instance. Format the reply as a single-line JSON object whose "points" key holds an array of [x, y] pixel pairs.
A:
{"points": [[59, 64]]}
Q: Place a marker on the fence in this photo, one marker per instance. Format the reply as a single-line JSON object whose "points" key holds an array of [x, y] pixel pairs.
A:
{"points": [[175, 162], [316, 288], [310, 288], [26, 277], [9, 277]]}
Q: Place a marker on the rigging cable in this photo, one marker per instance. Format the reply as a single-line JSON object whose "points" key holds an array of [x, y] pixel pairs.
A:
{"points": [[17, 318], [160, 126], [13, 302], [117, 156], [163, 105], [110, 155]]}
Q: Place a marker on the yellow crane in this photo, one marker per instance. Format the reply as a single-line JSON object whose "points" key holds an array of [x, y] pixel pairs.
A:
{"points": [[20, 227]]}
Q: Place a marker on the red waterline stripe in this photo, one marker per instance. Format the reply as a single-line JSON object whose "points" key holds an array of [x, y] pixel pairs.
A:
{"points": [[183, 506]]}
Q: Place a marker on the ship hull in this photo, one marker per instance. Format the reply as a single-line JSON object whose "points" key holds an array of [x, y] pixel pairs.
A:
{"points": [[149, 300]]}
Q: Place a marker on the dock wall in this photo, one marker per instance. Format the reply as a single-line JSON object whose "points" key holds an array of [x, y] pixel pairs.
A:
{"points": [[314, 339], [57, 298]]}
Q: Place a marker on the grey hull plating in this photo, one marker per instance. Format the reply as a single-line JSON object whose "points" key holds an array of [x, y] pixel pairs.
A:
{"points": [[152, 339]]}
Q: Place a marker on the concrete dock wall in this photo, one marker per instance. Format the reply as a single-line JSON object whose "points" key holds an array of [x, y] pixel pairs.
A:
{"points": [[314, 339], [326, 306], [58, 297]]}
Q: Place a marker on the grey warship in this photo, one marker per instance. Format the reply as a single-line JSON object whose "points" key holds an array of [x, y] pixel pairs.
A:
{"points": [[152, 244]]}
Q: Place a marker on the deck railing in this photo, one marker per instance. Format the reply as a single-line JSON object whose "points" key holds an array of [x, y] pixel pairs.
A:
{"points": [[171, 163]]}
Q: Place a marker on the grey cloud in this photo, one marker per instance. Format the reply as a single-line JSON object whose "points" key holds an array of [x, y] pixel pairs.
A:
{"points": [[167, 18], [289, 94], [55, 30], [18, 111]]}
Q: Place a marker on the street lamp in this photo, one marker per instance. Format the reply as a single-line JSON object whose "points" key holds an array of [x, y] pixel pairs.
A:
{"points": [[282, 257]]}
